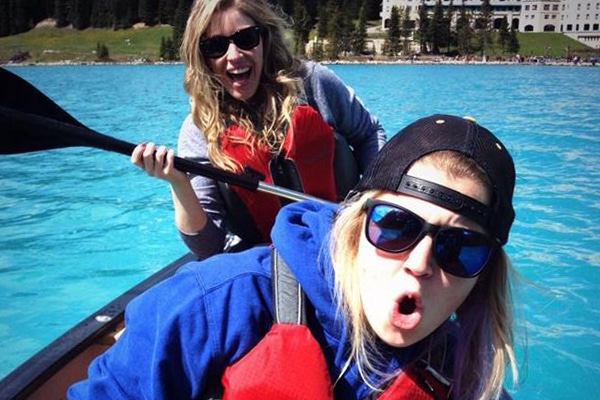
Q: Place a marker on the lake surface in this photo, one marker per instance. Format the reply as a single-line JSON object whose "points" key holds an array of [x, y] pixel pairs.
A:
{"points": [[79, 226]]}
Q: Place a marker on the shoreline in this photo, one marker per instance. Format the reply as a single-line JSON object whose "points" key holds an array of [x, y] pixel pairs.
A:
{"points": [[562, 63]]}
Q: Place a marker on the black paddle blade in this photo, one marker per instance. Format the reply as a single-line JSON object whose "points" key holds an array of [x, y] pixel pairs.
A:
{"points": [[18, 95], [31, 121]]}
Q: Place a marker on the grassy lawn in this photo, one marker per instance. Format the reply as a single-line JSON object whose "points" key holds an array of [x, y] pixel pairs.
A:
{"points": [[51, 45], [552, 44], [143, 44]]}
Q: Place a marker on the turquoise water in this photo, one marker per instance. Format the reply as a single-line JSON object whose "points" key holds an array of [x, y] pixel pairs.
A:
{"points": [[79, 226]]}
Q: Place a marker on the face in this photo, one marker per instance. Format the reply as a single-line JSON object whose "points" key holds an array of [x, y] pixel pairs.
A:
{"points": [[406, 296], [238, 70]]}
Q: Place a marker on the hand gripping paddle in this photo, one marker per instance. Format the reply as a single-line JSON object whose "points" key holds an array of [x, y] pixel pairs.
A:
{"points": [[31, 121]]}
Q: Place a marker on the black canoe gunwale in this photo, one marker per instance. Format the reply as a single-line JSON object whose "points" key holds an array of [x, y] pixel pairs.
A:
{"points": [[92, 335]]}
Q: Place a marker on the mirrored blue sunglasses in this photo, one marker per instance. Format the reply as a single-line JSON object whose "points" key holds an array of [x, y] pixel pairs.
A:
{"points": [[458, 251]]}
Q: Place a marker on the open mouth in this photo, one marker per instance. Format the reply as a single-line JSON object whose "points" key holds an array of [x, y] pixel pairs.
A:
{"points": [[407, 306], [408, 314], [239, 74]]}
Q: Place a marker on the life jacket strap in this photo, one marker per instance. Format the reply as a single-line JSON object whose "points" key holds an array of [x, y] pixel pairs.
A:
{"points": [[289, 300]]}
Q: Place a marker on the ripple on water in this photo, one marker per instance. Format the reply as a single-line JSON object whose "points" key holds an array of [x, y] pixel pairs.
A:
{"points": [[78, 226]]}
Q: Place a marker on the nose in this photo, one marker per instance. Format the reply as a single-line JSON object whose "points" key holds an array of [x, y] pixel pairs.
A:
{"points": [[233, 52], [419, 260]]}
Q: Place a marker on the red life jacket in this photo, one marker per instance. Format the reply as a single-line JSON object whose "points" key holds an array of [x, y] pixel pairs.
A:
{"points": [[288, 362], [308, 143]]}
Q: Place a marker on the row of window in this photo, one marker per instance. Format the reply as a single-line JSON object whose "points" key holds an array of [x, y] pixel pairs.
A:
{"points": [[587, 16], [555, 7], [546, 7], [547, 16], [588, 5], [551, 28], [589, 38], [586, 27], [562, 17]]}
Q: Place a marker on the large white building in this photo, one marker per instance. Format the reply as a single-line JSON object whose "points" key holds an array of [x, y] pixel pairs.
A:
{"points": [[579, 19]]}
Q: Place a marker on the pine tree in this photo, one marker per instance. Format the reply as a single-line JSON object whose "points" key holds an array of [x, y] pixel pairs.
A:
{"points": [[80, 13], [463, 32], [503, 33], [312, 8], [103, 14], [48, 8], [317, 51], [513, 45], [181, 15], [360, 33], [39, 10], [102, 52], [483, 26], [437, 28], [324, 17], [148, 12], [340, 30], [125, 13], [4, 19], [19, 19], [166, 11], [334, 29], [405, 30], [372, 8], [450, 38], [168, 52], [393, 39], [346, 30], [422, 32], [162, 51], [301, 28], [61, 13]]}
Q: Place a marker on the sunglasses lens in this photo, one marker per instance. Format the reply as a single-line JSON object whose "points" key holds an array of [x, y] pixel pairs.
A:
{"points": [[214, 47], [248, 38], [462, 252], [217, 46], [392, 229]]}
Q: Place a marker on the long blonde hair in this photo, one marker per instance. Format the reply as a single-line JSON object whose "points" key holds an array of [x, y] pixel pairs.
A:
{"points": [[267, 115], [484, 341]]}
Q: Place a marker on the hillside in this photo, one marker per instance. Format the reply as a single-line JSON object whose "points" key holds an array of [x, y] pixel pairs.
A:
{"points": [[47, 44]]}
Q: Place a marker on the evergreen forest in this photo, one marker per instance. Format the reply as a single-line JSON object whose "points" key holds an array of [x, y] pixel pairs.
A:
{"points": [[337, 28]]}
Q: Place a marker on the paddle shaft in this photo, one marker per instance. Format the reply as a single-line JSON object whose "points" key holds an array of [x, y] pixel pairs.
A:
{"points": [[83, 136]]}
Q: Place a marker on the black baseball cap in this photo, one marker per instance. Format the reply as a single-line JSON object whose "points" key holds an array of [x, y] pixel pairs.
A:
{"points": [[447, 132]]}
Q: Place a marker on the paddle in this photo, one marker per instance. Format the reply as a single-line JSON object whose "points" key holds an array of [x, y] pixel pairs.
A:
{"points": [[31, 121]]}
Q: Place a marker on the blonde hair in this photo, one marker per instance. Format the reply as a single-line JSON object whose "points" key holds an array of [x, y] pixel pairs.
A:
{"points": [[213, 109], [484, 342]]}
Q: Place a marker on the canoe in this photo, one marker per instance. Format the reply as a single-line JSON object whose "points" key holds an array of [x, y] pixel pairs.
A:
{"points": [[48, 373]]}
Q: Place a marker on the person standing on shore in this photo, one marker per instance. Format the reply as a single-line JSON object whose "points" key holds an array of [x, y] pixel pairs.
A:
{"points": [[254, 108], [402, 292]]}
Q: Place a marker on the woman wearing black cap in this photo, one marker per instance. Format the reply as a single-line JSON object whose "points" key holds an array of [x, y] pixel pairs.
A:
{"points": [[402, 292]]}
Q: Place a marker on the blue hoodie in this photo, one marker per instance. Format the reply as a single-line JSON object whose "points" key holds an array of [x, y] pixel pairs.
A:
{"points": [[184, 332]]}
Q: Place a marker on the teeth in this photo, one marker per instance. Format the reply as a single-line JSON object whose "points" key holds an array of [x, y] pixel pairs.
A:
{"points": [[239, 71]]}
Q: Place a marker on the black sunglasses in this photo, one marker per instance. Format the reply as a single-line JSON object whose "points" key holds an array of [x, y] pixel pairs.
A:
{"points": [[245, 39], [458, 251]]}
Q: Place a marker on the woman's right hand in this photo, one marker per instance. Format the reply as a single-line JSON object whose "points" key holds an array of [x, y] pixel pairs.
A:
{"points": [[157, 161]]}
